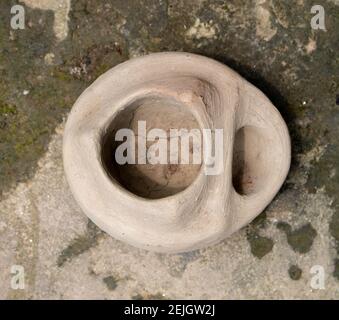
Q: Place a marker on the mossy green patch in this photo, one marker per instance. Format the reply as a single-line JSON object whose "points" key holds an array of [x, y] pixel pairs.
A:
{"points": [[32, 100], [7, 109]]}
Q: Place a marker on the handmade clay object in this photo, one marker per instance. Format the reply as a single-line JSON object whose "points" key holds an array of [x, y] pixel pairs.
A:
{"points": [[174, 208]]}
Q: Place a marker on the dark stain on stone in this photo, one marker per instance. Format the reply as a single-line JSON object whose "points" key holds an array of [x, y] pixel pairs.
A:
{"points": [[260, 221], [336, 269], [80, 244], [300, 240], [319, 176], [111, 282], [337, 100], [260, 246], [294, 272], [284, 226], [334, 228], [149, 296]]}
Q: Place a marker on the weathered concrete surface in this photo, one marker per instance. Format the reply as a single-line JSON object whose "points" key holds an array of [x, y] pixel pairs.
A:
{"points": [[61, 10], [41, 74]]}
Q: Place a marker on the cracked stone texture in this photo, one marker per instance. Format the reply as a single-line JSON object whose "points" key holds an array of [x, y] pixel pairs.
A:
{"points": [[45, 67]]}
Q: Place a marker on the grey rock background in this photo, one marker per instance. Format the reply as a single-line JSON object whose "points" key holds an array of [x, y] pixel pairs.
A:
{"points": [[65, 46]]}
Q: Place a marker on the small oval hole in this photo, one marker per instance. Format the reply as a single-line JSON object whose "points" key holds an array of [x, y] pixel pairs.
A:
{"points": [[249, 166]]}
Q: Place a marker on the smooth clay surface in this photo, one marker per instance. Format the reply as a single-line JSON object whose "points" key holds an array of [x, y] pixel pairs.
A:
{"points": [[174, 208]]}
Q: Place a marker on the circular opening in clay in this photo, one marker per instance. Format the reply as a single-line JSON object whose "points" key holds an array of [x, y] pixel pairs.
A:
{"points": [[143, 175], [251, 160]]}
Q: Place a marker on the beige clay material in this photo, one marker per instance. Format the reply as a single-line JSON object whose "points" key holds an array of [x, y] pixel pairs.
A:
{"points": [[174, 208]]}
